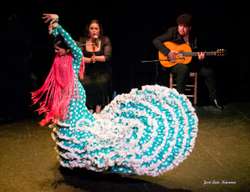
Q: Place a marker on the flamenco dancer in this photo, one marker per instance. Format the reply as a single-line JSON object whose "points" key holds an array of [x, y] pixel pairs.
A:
{"points": [[145, 132]]}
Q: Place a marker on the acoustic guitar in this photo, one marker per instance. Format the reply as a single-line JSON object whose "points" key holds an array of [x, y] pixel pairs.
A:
{"points": [[184, 55]]}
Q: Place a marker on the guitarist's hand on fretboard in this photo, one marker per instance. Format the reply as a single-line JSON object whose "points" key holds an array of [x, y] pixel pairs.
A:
{"points": [[201, 55]]}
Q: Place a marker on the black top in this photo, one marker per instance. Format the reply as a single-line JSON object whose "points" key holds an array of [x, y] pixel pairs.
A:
{"points": [[106, 50]]}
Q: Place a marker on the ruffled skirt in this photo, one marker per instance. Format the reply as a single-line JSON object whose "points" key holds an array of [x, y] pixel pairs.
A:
{"points": [[145, 132]]}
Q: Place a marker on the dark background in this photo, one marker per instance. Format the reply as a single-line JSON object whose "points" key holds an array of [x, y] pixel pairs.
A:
{"points": [[131, 25]]}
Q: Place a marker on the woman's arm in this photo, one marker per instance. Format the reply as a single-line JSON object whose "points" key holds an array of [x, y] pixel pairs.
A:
{"points": [[75, 49], [56, 29]]}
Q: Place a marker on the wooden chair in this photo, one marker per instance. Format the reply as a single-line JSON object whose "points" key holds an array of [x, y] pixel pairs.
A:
{"points": [[191, 86]]}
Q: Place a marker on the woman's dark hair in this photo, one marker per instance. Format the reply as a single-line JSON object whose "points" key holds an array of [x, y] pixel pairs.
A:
{"points": [[59, 41], [184, 19], [91, 22]]}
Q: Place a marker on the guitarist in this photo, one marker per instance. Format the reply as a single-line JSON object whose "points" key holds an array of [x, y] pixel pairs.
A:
{"points": [[182, 34]]}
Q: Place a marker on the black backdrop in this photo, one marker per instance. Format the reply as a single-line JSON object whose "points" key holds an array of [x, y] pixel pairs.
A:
{"points": [[131, 25]]}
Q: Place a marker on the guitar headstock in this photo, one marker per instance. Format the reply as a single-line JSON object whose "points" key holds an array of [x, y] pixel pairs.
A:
{"points": [[220, 52]]}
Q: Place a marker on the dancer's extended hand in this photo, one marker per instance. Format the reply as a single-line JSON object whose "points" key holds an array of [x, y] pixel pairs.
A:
{"points": [[52, 19]]}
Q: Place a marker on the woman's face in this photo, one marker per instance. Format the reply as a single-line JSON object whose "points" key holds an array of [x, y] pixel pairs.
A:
{"points": [[94, 30], [60, 51]]}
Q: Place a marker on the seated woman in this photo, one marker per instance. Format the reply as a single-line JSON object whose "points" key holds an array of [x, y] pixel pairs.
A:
{"points": [[97, 51]]}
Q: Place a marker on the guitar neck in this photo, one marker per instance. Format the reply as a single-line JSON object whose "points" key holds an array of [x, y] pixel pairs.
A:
{"points": [[207, 53]]}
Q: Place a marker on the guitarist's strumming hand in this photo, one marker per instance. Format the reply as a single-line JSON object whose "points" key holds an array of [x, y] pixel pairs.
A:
{"points": [[172, 55], [201, 55]]}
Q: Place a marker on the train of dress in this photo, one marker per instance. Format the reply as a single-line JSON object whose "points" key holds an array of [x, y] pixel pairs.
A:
{"points": [[147, 131]]}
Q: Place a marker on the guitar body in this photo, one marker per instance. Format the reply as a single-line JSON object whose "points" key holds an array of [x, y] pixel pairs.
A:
{"points": [[165, 62]]}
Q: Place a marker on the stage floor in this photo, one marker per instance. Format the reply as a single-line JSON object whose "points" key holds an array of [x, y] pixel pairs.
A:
{"points": [[219, 162]]}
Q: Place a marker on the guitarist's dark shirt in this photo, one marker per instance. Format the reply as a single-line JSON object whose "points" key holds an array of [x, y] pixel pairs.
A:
{"points": [[173, 35]]}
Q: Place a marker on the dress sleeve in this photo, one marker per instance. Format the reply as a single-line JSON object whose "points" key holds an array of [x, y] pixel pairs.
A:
{"points": [[75, 49], [107, 48]]}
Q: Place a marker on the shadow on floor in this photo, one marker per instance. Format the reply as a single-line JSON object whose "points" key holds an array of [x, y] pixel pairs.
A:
{"points": [[107, 182]]}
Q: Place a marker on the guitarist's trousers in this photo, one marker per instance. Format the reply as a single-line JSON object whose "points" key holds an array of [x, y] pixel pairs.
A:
{"points": [[181, 74]]}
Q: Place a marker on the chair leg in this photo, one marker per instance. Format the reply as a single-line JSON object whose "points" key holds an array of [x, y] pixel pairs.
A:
{"points": [[171, 80], [195, 88], [194, 85]]}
